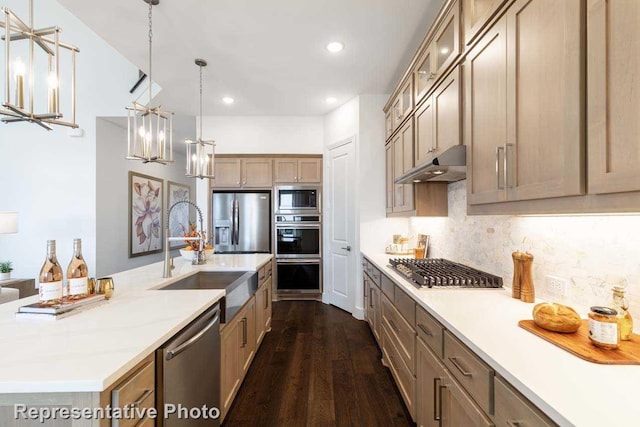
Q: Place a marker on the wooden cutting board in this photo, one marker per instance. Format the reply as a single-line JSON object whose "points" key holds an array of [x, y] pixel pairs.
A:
{"points": [[578, 343]]}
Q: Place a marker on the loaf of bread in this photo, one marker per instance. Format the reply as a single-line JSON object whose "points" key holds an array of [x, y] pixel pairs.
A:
{"points": [[556, 317]]}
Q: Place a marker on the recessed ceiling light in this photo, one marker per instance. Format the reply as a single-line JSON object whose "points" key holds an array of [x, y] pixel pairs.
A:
{"points": [[331, 100], [228, 100], [335, 47]]}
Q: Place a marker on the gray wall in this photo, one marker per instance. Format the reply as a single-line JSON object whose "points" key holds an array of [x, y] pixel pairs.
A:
{"points": [[112, 204]]}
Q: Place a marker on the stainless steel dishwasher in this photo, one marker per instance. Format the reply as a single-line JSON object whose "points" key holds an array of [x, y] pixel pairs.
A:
{"points": [[188, 374]]}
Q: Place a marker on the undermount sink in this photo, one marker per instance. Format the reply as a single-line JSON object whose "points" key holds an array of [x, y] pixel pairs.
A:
{"points": [[238, 286]]}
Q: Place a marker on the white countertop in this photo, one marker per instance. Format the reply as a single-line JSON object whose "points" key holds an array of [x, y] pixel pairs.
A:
{"points": [[89, 351], [568, 389]]}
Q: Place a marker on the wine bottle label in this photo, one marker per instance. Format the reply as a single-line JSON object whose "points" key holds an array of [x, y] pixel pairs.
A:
{"points": [[78, 286], [50, 290]]}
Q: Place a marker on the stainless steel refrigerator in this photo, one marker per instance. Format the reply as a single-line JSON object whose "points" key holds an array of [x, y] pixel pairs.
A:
{"points": [[241, 222]]}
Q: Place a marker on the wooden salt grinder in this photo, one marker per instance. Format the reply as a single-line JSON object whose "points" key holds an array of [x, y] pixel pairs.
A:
{"points": [[517, 274], [527, 290]]}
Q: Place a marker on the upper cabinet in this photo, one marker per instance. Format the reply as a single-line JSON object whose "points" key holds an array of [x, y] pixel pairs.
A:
{"points": [[402, 163], [439, 54], [298, 170], [613, 40], [524, 105], [477, 14], [438, 120], [242, 173]]}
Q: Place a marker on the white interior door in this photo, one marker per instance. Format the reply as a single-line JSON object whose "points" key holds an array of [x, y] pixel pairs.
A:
{"points": [[340, 225]]}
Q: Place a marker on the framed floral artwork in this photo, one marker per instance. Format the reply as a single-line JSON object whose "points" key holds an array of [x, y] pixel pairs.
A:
{"points": [[145, 214], [179, 222]]}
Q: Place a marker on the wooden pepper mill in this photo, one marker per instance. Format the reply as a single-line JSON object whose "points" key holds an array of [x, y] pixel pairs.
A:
{"points": [[527, 290], [517, 274]]}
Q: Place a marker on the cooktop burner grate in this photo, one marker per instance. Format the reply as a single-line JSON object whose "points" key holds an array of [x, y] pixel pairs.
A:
{"points": [[441, 272]]}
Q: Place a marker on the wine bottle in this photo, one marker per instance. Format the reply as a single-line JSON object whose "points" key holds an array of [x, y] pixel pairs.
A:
{"points": [[77, 273], [50, 280]]}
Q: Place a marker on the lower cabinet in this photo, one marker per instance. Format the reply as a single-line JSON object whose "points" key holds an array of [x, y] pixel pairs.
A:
{"points": [[440, 400], [442, 382], [240, 338]]}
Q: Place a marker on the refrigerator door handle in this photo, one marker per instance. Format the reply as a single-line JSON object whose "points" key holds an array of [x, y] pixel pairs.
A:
{"points": [[233, 221], [237, 222]]}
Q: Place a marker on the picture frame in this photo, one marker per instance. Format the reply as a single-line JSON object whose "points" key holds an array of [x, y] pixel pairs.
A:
{"points": [[180, 218], [146, 214]]}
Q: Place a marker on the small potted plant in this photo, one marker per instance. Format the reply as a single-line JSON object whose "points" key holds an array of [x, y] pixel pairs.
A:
{"points": [[5, 270]]}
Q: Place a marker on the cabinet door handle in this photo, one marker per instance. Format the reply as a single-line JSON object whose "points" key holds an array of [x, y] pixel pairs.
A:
{"points": [[513, 423], [442, 387], [244, 332], [370, 298], [425, 330], [455, 362], [266, 298], [498, 149], [437, 402], [393, 325], [431, 76], [142, 398]]}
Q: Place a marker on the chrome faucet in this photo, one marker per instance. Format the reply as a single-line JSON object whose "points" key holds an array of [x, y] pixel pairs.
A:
{"points": [[199, 254]]}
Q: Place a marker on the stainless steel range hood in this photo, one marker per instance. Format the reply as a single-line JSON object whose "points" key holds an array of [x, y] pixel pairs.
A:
{"points": [[450, 166]]}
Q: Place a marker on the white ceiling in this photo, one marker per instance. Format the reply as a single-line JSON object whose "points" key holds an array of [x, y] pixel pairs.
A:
{"points": [[267, 54]]}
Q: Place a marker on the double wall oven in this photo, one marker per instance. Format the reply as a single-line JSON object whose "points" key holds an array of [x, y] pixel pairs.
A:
{"points": [[298, 239]]}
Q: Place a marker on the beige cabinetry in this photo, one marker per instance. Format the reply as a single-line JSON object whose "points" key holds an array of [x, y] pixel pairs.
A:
{"points": [[388, 156], [230, 378], [438, 120], [524, 105], [263, 302], [402, 163], [402, 105], [477, 14], [439, 53], [242, 172], [373, 309], [513, 409], [297, 170], [247, 335], [613, 109]]}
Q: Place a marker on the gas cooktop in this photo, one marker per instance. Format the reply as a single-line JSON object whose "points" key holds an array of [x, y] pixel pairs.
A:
{"points": [[441, 272]]}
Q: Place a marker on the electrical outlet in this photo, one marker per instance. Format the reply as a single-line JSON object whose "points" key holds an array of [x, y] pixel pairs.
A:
{"points": [[557, 286]]}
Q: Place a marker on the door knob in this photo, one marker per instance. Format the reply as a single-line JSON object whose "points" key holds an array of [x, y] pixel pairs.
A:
{"points": [[348, 248]]}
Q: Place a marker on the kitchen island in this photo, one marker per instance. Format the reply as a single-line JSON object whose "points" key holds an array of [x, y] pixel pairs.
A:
{"points": [[569, 390], [86, 353]]}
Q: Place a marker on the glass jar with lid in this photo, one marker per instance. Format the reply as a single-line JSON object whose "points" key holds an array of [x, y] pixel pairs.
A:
{"points": [[604, 331]]}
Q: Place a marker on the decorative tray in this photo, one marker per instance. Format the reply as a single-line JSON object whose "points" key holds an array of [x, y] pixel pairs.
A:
{"points": [[399, 253], [578, 344]]}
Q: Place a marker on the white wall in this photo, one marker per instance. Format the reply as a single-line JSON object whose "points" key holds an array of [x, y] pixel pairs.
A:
{"points": [[264, 134], [112, 186], [592, 252], [49, 177]]}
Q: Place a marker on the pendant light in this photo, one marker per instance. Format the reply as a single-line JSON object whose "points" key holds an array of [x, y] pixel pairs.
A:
{"points": [[150, 129], [199, 160], [48, 41]]}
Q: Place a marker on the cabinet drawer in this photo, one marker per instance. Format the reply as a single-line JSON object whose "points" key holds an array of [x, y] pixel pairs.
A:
{"points": [[401, 331], [513, 409], [262, 275], [474, 375], [137, 390], [268, 270], [430, 330], [405, 305], [387, 286], [405, 379]]}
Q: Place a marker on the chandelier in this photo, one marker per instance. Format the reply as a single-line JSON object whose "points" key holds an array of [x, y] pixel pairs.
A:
{"points": [[47, 40], [199, 161], [150, 129]]}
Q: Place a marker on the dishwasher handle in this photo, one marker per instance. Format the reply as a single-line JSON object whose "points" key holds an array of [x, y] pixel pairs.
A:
{"points": [[185, 345]]}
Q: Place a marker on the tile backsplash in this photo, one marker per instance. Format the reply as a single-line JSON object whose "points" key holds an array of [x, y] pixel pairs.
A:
{"points": [[592, 253]]}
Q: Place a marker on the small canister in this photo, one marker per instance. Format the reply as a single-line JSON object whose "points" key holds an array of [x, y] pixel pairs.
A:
{"points": [[603, 327]]}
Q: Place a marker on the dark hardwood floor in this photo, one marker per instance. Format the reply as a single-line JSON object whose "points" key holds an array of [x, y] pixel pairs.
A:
{"points": [[317, 367]]}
